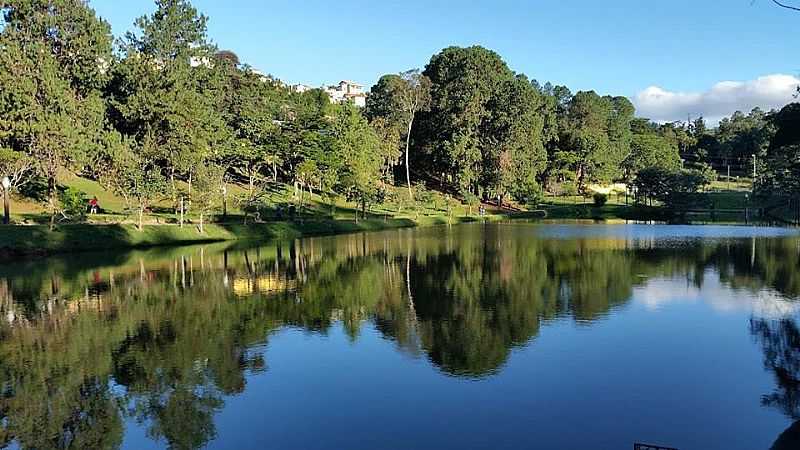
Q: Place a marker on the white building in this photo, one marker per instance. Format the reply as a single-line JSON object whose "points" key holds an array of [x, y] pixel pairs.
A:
{"points": [[300, 88], [347, 91]]}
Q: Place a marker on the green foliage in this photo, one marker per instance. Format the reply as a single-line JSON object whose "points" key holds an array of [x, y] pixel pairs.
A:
{"points": [[358, 149], [600, 200], [471, 200], [650, 150], [677, 188], [393, 106], [53, 62], [596, 137], [516, 156], [164, 93], [741, 136], [73, 204], [207, 190], [781, 175], [384, 100], [464, 80], [149, 119], [132, 173]]}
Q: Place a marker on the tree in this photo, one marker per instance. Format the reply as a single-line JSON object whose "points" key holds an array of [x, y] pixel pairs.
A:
{"points": [[741, 136], [782, 166], [131, 173], [463, 81], [66, 30], [359, 152], [556, 100], [251, 107], [227, 57], [650, 150], [597, 133], [17, 166], [54, 61], [308, 174], [677, 188], [165, 91], [786, 6], [400, 98], [388, 136], [515, 155], [207, 190], [382, 101]]}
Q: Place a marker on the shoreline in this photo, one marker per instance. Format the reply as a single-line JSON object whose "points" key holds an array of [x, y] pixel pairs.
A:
{"points": [[31, 241]]}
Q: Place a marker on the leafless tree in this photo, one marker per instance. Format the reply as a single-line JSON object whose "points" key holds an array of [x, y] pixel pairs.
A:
{"points": [[787, 6]]}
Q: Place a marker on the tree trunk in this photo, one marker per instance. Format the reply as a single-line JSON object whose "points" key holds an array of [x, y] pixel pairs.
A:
{"points": [[224, 203], [174, 189], [51, 195], [201, 224], [250, 182], [141, 217], [188, 206], [408, 169]]}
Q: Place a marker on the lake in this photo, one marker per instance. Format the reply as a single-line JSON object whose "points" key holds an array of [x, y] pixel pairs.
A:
{"points": [[485, 336]]}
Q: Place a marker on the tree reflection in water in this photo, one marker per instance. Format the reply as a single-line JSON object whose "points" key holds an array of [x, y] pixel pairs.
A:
{"points": [[780, 340], [163, 337]]}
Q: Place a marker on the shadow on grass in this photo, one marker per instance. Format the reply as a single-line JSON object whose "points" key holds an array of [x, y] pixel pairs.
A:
{"points": [[36, 240]]}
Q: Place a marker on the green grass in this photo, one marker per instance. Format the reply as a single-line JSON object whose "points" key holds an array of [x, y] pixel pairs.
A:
{"points": [[39, 240], [33, 240], [114, 209], [115, 229]]}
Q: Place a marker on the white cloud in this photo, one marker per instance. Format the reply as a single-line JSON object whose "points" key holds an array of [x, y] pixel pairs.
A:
{"points": [[766, 303], [723, 99]]}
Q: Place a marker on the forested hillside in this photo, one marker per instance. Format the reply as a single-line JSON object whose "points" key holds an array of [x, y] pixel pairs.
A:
{"points": [[162, 118]]}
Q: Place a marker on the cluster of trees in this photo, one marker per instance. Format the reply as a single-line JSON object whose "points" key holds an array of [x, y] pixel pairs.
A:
{"points": [[486, 131], [167, 115], [781, 163]]}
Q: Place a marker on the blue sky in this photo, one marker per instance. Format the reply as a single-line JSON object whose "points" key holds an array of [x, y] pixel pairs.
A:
{"points": [[619, 47]]}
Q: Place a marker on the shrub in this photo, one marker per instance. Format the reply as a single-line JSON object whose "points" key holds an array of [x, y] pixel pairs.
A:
{"points": [[73, 203], [532, 196], [472, 200], [600, 199]]}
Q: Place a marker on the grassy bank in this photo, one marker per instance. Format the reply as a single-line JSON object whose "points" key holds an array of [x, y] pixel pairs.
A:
{"points": [[36, 240]]}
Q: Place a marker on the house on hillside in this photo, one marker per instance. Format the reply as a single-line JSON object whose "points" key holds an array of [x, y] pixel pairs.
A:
{"points": [[347, 91]]}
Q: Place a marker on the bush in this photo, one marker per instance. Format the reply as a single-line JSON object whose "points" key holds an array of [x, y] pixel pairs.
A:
{"points": [[533, 197], [472, 200], [73, 203], [600, 199]]}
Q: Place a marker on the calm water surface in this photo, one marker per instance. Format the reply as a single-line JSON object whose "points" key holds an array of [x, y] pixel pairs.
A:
{"points": [[477, 336]]}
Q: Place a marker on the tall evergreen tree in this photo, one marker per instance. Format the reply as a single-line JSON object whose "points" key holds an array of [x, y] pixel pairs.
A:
{"points": [[54, 62], [164, 95]]}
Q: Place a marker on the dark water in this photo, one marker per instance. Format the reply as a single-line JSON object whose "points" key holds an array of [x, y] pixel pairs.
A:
{"points": [[492, 337]]}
